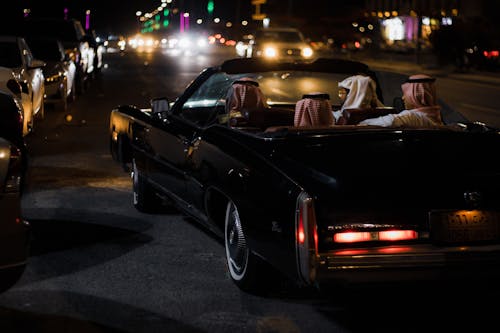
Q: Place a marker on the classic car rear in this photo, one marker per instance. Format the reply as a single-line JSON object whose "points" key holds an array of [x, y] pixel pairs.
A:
{"points": [[390, 205], [325, 204]]}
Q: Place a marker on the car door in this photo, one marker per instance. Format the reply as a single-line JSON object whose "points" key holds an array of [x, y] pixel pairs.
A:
{"points": [[205, 107], [177, 135], [166, 142]]}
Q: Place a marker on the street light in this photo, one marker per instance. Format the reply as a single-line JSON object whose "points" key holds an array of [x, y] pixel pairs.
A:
{"points": [[87, 19]]}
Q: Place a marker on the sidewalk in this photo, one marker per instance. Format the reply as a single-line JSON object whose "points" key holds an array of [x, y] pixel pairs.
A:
{"points": [[407, 64]]}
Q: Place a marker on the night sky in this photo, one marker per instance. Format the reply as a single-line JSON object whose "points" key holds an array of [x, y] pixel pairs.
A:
{"points": [[113, 16]]}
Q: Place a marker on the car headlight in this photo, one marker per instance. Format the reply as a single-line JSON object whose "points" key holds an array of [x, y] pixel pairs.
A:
{"points": [[307, 52], [202, 42], [270, 52], [185, 43]]}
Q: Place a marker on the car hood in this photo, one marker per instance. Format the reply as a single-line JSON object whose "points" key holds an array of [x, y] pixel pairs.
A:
{"points": [[414, 170]]}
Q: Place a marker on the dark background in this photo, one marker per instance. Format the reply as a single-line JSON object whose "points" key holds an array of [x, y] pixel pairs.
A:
{"points": [[119, 16]]}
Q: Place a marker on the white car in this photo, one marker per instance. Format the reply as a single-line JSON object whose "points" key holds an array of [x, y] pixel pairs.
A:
{"points": [[59, 71], [16, 56], [279, 43]]}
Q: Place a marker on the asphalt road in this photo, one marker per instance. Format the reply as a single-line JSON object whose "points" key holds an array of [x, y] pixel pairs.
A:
{"points": [[98, 265]]}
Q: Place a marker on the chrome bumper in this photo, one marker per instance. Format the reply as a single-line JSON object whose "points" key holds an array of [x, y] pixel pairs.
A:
{"points": [[407, 263]]}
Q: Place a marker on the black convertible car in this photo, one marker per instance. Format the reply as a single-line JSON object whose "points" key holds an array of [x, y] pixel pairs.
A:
{"points": [[320, 204]]}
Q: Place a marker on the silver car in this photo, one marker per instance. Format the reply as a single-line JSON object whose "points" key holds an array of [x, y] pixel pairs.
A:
{"points": [[279, 43], [16, 55]]}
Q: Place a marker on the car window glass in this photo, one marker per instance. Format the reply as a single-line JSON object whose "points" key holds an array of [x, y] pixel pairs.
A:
{"points": [[10, 55], [287, 87], [201, 106], [279, 36]]}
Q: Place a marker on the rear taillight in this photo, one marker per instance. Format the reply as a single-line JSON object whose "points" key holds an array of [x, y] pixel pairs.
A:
{"points": [[12, 182], [491, 54], [371, 236], [306, 238]]}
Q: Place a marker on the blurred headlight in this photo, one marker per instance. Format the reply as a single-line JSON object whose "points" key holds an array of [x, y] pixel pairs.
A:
{"points": [[185, 43], [202, 42], [270, 52], [307, 52]]}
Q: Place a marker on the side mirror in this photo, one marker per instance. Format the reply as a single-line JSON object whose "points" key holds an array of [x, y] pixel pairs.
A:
{"points": [[160, 107]]}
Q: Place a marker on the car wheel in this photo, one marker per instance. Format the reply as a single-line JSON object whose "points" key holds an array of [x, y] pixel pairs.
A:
{"points": [[145, 198], [246, 269]]}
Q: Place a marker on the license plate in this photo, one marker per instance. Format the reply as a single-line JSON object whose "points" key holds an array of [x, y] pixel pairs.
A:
{"points": [[464, 226]]}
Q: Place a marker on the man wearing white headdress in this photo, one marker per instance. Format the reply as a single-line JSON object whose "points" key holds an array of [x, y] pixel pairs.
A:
{"points": [[360, 93]]}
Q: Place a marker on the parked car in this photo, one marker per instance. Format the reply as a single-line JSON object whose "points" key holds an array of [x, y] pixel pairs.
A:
{"points": [[16, 55], [59, 71], [279, 43], [14, 230], [11, 114], [12, 121], [23, 118], [324, 204], [74, 39]]}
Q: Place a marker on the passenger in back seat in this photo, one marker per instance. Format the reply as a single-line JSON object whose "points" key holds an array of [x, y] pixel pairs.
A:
{"points": [[357, 92], [314, 110], [421, 104], [245, 94]]}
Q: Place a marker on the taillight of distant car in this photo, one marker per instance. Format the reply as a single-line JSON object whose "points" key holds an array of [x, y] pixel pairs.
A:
{"points": [[491, 54]]}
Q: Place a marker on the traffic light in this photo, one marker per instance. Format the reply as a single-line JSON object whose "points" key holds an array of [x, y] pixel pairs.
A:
{"points": [[210, 6]]}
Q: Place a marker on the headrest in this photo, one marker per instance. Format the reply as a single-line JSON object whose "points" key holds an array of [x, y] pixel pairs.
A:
{"points": [[317, 95], [246, 81], [420, 79]]}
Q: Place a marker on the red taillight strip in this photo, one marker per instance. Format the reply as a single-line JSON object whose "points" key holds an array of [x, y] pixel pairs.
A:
{"points": [[306, 238], [368, 236], [491, 54]]}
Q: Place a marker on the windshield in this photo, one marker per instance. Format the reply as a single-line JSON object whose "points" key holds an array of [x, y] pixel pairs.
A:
{"points": [[279, 36]]}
